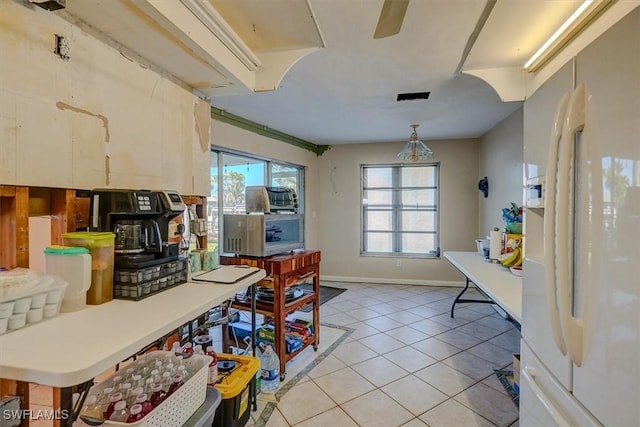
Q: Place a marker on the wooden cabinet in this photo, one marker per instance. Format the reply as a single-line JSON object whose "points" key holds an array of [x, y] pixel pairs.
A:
{"points": [[283, 271]]}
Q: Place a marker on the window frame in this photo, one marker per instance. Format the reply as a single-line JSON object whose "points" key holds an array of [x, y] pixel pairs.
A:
{"points": [[396, 211], [217, 154]]}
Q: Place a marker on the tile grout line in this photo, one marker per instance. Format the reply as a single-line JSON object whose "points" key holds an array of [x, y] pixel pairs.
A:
{"points": [[271, 406], [499, 332]]}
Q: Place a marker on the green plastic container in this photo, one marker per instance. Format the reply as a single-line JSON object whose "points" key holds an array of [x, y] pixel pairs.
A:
{"points": [[514, 227]]}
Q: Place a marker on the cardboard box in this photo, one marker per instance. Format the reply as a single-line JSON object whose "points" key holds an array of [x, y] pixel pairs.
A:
{"points": [[296, 329], [516, 373], [293, 343], [306, 323], [267, 333]]}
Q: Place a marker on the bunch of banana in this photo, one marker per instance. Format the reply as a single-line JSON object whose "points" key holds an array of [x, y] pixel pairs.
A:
{"points": [[511, 259]]}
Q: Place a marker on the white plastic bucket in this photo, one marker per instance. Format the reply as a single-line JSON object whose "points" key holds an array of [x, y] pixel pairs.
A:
{"points": [[72, 264]]}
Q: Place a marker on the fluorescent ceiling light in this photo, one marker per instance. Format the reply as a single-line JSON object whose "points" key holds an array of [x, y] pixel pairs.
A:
{"points": [[585, 13]]}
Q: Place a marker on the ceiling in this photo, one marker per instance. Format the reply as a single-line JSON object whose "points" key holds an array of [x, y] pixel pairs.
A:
{"points": [[311, 68]]}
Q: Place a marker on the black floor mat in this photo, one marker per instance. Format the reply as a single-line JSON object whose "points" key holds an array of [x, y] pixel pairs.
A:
{"points": [[326, 293]]}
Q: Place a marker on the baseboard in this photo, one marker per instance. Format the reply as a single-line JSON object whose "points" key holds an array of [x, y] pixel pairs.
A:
{"points": [[351, 279]]}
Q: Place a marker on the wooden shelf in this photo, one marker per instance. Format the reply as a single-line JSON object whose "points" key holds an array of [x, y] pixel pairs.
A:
{"points": [[284, 271], [266, 308], [200, 203]]}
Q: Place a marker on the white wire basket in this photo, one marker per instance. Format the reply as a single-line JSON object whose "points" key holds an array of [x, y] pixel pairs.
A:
{"points": [[180, 405]]}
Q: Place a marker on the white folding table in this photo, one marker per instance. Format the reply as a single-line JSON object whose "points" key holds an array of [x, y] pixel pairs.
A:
{"points": [[496, 282]]}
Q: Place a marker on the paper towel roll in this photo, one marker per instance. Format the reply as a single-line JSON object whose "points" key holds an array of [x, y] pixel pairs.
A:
{"points": [[495, 246]]}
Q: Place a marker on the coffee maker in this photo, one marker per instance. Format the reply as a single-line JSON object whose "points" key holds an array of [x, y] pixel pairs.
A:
{"points": [[144, 257], [140, 220]]}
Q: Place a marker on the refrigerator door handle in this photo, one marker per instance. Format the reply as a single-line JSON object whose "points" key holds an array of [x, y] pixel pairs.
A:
{"points": [[550, 220], [572, 327], [529, 374]]}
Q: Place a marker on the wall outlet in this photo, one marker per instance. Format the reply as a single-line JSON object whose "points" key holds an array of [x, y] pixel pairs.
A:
{"points": [[398, 263]]}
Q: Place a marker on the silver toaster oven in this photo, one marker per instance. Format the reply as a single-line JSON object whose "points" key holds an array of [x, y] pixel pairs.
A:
{"points": [[270, 199], [262, 235]]}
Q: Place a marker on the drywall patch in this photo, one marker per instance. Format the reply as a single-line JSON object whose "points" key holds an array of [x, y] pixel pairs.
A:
{"points": [[202, 115], [104, 119], [107, 170]]}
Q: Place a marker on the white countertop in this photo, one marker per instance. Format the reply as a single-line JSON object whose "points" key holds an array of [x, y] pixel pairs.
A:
{"points": [[496, 281], [72, 348]]}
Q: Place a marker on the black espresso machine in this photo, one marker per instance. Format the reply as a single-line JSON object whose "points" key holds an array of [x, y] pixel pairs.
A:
{"points": [[145, 261]]}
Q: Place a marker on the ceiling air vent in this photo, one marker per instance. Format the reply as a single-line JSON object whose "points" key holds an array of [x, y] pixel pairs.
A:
{"points": [[413, 96], [50, 5]]}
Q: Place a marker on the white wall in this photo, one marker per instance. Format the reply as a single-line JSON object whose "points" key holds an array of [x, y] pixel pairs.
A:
{"points": [[225, 135], [333, 196], [339, 212], [500, 159], [98, 119]]}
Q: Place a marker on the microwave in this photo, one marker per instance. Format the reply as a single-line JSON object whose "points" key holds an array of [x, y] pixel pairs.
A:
{"points": [[270, 199], [261, 235]]}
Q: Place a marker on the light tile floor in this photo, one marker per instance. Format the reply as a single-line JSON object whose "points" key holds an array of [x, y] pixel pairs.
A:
{"points": [[407, 363]]}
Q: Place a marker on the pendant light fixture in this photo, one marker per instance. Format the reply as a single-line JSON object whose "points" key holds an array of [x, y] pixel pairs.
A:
{"points": [[415, 149]]}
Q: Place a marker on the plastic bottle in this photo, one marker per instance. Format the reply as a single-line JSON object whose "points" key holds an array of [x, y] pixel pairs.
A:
{"points": [[136, 414], [182, 370], [177, 383], [144, 401], [144, 371], [213, 366], [136, 381], [116, 383], [147, 386], [157, 395], [259, 371], [129, 375], [120, 412], [125, 389], [131, 400], [183, 367], [166, 381], [157, 378], [92, 407], [187, 348], [115, 398], [170, 368], [270, 371], [104, 398]]}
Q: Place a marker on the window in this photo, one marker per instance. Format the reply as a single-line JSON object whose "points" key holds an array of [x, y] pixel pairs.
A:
{"points": [[400, 210], [238, 173], [231, 173]]}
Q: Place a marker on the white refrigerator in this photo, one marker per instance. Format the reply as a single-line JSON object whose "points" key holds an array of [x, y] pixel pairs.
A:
{"points": [[580, 352]]}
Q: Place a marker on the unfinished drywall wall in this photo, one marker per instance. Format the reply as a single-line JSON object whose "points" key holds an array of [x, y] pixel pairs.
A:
{"points": [[95, 116]]}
